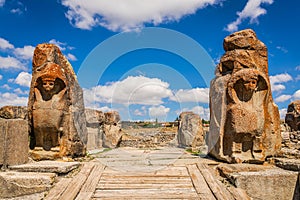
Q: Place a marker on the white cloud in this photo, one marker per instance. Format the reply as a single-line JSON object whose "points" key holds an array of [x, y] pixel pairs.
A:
{"points": [[296, 95], [199, 110], [284, 50], [4, 44], [11, 63], [203, 112], [279, 78], [158, 112], [23, 79], [19, 91], [252, 10], [132, 90], [283, 98], [16, 11], [71, 57], [24, 53], [297, 68], [277, 87], [104, 109], [137, 112], [1, 77], [297, 77], [192, 95], [126, 15], [142, 111], [12, 99], [282, 113], [61, 45], [2, 2], [6, 86]]}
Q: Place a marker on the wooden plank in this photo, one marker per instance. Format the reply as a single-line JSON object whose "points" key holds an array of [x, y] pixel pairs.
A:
{"points": [[89, 186], [152, 198], [74, 187], [219, 192], [143, 181], [238, 193], [58, 189], [109, 186], [149, 193], [142, 175], [199, 183]]}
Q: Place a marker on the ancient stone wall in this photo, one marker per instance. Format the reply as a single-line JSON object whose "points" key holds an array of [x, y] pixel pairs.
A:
{"points": [[55, 106], [244, 121]]}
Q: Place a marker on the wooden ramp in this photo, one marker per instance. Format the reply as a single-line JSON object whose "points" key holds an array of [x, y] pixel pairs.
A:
{"points": [[192, 181]]}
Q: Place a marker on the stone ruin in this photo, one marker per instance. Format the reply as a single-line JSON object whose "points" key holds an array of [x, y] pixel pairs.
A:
{"points": [[13, 136], [244, 121], [104, 129], [292, 117], [55, 106], [190, 131]]}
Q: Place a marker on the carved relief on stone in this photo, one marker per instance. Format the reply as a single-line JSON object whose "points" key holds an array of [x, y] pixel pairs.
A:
{"points": [[245, 122], [55, 106], [49, 106]]}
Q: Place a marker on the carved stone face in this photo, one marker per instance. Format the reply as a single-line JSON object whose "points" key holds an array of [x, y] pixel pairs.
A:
{"points": [[251, 84], [48, 85]]}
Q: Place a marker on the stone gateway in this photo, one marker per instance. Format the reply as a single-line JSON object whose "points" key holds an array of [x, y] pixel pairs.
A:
{"points": [[244, 121]]}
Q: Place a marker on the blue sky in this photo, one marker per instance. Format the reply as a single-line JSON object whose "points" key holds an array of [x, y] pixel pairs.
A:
{"points": [[146, 59]]}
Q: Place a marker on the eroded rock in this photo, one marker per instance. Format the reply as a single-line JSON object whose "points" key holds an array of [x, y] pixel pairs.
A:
{"points": [[244, 123], [190, 130], [13, 142], [13, 112], [263, 182], [14, 184], [55, 106], [292, 117], [104, 129]]}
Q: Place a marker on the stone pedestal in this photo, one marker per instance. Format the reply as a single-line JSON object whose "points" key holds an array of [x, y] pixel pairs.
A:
{"points": [[13, 141]]}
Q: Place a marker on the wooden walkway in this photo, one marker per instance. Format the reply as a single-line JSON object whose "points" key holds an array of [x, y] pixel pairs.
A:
{"points": [[189, 181]]}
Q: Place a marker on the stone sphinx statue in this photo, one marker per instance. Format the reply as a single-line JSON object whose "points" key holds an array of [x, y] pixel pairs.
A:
{"points": [[245, 123], [49, 106], [55, 107]]}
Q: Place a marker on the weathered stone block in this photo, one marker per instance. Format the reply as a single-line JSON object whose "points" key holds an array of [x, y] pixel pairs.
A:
{"points": [[292, 117], [112, 135], [244, 121], [94, 138], [190, 130], [13, 141], [104, 129], [14, 184], [57, 167], [260, 182]]}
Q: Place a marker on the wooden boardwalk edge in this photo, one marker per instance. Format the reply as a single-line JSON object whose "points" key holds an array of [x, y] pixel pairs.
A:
{"points": [[91, 183], [80, 185], [220, 191]]}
